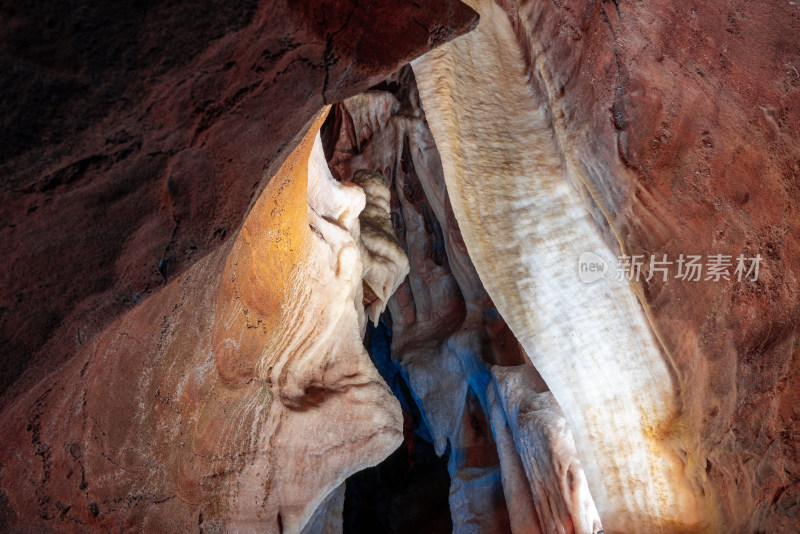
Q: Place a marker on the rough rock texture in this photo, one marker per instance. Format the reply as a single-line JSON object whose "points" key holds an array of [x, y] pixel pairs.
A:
{"points": [[697, 150], [134, 136], [236, 398], [446, 332], [679, 125]]}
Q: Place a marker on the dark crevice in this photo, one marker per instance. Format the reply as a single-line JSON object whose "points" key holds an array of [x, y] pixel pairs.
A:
{"points": [[408, 492]]}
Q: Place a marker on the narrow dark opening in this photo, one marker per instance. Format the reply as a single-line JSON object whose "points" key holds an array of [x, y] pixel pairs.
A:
{"points": [[408, 492]]}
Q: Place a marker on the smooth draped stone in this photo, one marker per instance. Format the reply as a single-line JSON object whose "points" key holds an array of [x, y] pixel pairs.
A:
{"points": [[445, 330], [385, 261], [522, 514], [525, 226], [542, 454]]}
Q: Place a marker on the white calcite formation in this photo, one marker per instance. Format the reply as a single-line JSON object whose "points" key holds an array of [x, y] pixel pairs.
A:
{"points": [[385, 264], [445, 332], [446, 335], [540, 466], [316, 365], [525, 227]]}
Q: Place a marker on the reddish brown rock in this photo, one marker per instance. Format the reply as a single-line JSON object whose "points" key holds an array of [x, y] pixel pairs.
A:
{"points": [[238, 397], [129, 158], [135, 136], [684, 120]]}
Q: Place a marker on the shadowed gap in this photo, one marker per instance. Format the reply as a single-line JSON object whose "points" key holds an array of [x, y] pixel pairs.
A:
{"points": [[408, 492]]}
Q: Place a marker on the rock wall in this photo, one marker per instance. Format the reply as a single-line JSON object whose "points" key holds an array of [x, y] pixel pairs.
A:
{"points": [[169, 362], [135, 136], [679, 141], [237, 398]]}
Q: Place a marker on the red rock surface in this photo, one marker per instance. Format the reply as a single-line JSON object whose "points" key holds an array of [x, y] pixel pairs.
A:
{"points": [[135, 142], [208, 405], [135, 136], [685, 119]]}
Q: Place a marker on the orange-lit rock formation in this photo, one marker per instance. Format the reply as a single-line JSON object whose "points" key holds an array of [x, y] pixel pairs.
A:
{"points": [[238, 397], [135, 137]]}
